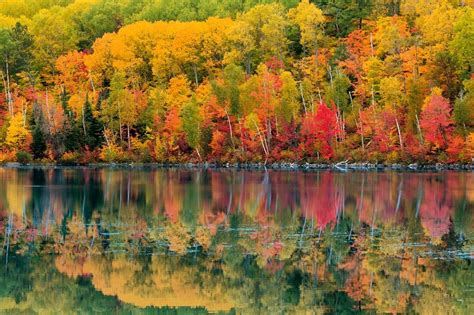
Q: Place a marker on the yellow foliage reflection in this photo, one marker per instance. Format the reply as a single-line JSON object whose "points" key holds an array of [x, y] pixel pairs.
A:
{"points": [[158, 283]]}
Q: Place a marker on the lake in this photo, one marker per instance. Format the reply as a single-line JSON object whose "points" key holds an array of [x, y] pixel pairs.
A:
{"points": [[80, 240]]}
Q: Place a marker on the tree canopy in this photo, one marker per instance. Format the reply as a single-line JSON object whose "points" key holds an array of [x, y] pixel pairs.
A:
{"points": [[237, 81]]}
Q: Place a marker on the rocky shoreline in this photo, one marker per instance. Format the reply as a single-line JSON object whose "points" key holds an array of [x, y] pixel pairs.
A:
{"points": [[342, 166]]}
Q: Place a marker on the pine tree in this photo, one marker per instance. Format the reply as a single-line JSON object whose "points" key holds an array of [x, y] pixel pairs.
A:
{"points": [[38, 146], [71, 129], [72, 135], [91, 128]]}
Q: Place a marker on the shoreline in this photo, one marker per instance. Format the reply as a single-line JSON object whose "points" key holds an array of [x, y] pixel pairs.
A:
{"points": [[341, 166]]}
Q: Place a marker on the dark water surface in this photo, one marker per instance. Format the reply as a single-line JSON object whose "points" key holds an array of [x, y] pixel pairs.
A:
{"points": [[243, 242]]}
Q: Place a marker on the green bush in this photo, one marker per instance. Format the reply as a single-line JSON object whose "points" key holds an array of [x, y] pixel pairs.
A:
{"points": [[23, 157]]}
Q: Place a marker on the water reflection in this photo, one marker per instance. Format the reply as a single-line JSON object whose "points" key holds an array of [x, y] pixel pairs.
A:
{"points": [[236, 241]]}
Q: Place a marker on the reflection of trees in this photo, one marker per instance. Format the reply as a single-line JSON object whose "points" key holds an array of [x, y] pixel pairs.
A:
{"points": [[321, 199], [263, 242], [437, 206], [47, 196], [316, 277], [38, 288], [163, 281]]}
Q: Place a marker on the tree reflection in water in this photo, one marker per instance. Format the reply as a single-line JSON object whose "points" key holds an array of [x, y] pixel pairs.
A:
{"points": [[93, 240]]}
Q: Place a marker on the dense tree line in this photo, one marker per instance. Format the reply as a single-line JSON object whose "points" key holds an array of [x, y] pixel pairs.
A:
{"points": [[233, 81]]}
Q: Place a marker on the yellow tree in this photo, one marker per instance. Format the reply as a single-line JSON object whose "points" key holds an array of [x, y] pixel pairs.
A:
{"points": [[100, 63], [178, 92], [391, 35], [191, 48], [177, 95], [162, 63], [289, 105], [392, 96], [258, 34], [310, 20], [186, 48], [215, 44], [437, 28], [373, 69], [461, 45], [54, 35], [17, 133], [119, 110], [391, 92], [132, 50]]}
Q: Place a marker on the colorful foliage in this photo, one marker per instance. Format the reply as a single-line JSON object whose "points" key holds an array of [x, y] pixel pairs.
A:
{"points": [[228, 83]]}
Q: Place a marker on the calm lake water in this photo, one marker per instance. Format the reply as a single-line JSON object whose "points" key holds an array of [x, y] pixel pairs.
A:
{"points": [[240, 242]]}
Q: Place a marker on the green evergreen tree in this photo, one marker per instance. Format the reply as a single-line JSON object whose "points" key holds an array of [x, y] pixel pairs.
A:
{"points": [[38, 146], [91, 128], [71, 129], [345, 15]]}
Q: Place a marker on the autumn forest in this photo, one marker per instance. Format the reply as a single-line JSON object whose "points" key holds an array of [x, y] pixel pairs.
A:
{"points": [[386, 81]]}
